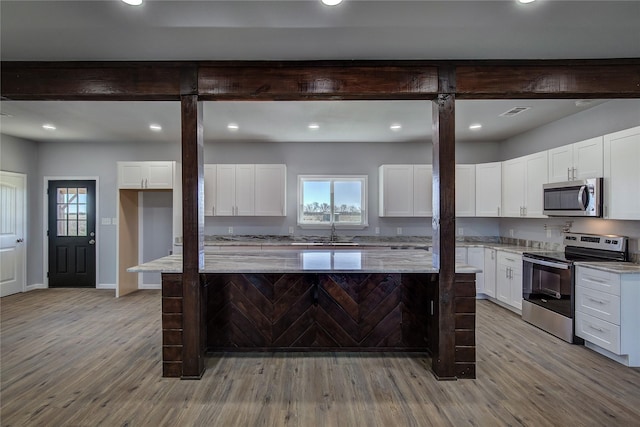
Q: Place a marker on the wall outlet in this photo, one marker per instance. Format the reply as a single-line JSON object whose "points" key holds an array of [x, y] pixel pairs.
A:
{"points": [[230, 230], [377, 230], [399, 231], [291, 230], [114, 221], [106, 221], [511, 233], [460, 231]]}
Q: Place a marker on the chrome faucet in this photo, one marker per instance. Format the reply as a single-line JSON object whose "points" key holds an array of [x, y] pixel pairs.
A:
{"points": [[332, 237]]}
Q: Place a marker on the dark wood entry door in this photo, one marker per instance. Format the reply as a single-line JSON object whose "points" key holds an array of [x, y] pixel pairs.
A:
{"points": [[72, 237]]}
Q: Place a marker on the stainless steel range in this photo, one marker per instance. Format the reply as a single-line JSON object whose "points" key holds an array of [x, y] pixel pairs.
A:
{"points": [[548, 281]]}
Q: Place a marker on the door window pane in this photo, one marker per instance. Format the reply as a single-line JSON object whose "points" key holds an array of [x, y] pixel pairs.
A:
{"points": [[72, 211]]}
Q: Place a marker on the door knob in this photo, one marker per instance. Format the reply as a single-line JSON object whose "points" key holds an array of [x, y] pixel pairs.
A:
{"points": [[19, 240], [92, 242]]}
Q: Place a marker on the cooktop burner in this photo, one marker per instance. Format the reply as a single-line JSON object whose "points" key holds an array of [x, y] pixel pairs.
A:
{"points": [[587, 247]]}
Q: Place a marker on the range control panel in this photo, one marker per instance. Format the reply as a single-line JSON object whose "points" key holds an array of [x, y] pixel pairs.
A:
{"points": [[607, 242]]}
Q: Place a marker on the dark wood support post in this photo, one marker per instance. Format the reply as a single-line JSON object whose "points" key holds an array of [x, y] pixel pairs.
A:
{"points": [[193, 236], [444, 221]]}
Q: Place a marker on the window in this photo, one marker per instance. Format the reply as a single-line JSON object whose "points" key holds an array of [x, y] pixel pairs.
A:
{"points": [[325, 200]]}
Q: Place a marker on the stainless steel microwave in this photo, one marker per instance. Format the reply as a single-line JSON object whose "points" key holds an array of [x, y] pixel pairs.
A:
{"points": [[573, 198]]}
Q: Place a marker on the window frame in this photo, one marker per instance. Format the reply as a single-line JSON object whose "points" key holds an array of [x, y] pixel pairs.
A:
{"points": [[363, 179]]}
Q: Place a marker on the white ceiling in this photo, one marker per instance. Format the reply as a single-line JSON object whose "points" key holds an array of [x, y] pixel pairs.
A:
{"points": [[285, 121], [303, 30]]}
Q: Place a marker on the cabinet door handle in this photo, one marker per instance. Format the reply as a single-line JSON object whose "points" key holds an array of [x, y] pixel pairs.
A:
{"points": [[597, 301], [596, 329], [575, 173], [568, 174], [498, 210], [142, 183], [146, 183], [524, 209]]}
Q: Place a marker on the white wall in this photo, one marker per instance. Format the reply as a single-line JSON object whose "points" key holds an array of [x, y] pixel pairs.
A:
{"points": [[21, 155], [77, 158], [340, 158]]}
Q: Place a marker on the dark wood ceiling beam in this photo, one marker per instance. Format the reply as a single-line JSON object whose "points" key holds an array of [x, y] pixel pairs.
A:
{"points": [[617, 80], [322, 80], [94, 81], [299, 82]]}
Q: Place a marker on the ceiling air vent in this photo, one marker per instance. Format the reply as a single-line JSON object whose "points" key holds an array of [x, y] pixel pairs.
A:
{"points": [[514, 111]]}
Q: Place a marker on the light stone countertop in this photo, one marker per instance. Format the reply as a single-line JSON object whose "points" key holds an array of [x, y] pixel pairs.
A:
{"points": [[306, 261], [612, 267]]}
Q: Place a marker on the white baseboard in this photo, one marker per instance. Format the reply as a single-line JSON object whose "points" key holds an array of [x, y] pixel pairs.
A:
{"points": [[106, 286], [35, 286], [149, 286]]}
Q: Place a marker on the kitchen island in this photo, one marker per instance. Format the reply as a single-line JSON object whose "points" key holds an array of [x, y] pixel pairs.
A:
{"points": [[316, 300]]}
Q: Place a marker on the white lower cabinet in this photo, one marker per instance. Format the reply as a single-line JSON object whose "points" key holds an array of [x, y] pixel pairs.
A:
{"points": [[489, 274], [475, 257], [607, 315], [509, 279]]}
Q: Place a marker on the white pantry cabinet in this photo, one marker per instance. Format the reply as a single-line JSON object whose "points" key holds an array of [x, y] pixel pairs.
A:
{"points": [[465, 190], [522, 180], [622, 174], [210, 179], [489, 189], [580, 160], [235, 190], [271, 190], [509, 279], [405, 191], [607, 315], [153, 175]]}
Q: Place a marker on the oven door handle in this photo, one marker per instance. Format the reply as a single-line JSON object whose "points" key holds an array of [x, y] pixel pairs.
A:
{"points": [[559, 265]]}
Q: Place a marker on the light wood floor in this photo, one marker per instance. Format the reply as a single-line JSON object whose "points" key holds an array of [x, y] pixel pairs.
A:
{"points": [[83, 358]]}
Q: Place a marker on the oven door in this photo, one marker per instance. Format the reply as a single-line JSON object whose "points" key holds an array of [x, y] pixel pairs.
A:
{"points": [[548, 284]]}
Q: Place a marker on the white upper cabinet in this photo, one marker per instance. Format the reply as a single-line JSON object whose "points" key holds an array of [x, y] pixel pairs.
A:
{"points": [[395, 188], [576, 161], [522, 180], [465, 190], [245, 190], [271, 190], [405, 190], [536, 176], [489, 189], [209, 190], [513, 176], [145, 175], [422, 190], [235, 187], [622, 174]]}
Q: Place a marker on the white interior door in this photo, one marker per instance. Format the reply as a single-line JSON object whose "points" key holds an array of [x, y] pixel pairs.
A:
{"points": [[12, 231]]}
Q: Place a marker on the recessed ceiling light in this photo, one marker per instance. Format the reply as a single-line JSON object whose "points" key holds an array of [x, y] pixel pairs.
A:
{"points": [[233, 127], [526, 1], [155, 127], [48, 126], [475, 126], [331, 2], [395, 127], [313, 126], [133, 2]]}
